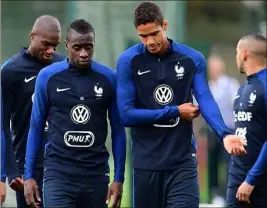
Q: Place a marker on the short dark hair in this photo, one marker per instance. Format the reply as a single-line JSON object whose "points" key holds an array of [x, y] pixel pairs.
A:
{"points": [[260, 50], [147, 12], [80, 26], [254, 35]]}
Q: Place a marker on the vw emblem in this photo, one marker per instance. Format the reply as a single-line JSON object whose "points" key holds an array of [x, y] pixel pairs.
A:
{"points": [[80, 114], [163, 94]]}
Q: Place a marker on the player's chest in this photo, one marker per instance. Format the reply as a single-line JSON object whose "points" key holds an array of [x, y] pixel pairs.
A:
{"points": [[174, 71], [72, 90], [249, 104], [24, 85]]}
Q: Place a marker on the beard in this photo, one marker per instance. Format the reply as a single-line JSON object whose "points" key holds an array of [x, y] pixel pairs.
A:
{"points": [[241, 68]]}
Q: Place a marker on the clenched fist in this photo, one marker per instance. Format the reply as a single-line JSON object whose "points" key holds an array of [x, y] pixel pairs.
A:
{"points": [[188, 111]]}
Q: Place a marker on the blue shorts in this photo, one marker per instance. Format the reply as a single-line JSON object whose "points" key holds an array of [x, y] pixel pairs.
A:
{"points": [[166, 189], [258, 197], [61, 193]]}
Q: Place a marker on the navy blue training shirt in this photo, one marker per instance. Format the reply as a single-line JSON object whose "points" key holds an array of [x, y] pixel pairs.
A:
{"points": [[18, 76], [77, 102], [150, 88], [250, 111]]}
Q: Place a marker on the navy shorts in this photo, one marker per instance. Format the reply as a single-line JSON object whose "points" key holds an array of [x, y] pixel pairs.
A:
{"points": [[258, 198], [166, 189], [62, 193]]}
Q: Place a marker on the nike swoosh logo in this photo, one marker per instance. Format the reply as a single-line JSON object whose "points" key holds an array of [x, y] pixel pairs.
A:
{"points": [[237, 96], [144, 72], [61, 90], [30, 79]]}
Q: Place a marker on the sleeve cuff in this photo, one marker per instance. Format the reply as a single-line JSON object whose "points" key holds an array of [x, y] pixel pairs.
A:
{"points": [[226, 134], [3, 179], [119, 178], [251, 180], [28, 176]]}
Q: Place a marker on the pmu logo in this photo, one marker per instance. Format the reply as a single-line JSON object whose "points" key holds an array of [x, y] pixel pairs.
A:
{"points": [[163, 94], [79, 138], [80, 114]]}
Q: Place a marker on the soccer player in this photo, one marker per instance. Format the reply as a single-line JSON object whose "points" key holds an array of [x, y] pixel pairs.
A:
{"points": [[18, 77], [76, 94], [155, 80], [248, 174], [3, 163]]}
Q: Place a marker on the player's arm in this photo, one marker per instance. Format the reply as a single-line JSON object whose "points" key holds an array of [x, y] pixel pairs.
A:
{"points": [[260, 166], [3, 149], [118, 137], [12, 170], [126, 92], [207, 105], [37, 125]]}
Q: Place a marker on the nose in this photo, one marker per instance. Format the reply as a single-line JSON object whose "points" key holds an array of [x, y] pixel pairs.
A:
{"points": [[83, 54], [50, 50], [150, 41]]}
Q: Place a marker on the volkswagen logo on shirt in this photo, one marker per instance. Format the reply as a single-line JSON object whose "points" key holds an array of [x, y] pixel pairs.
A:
{"points": [[80, 114], [163, 94]]}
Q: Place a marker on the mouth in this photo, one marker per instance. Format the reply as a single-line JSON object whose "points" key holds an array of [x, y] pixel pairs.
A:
{"points": [[153, 48], [82, 62], [46, 56]]}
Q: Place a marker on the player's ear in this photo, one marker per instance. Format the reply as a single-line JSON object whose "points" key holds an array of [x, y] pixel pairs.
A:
{"points": [[244, 55], [165, 25], [32, 35], [66, 45]]}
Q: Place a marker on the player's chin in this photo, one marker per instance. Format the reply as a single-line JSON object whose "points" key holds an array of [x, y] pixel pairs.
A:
{"points": [[154, 50], [83, 64]]}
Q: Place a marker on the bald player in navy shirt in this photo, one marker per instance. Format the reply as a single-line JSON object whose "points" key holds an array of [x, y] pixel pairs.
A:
{"points": [[18, 76]]}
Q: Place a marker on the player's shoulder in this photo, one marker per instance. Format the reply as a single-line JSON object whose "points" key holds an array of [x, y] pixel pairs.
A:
{"points": [[104, 69], [57, 57], [190, 52], [262, 75], [53, 69], [10, 67], [11, 63], [131, 52]]}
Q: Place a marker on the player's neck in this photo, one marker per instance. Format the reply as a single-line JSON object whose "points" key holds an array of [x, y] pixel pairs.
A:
{"points": [[30, 51], [165, 48], [254, 68]]}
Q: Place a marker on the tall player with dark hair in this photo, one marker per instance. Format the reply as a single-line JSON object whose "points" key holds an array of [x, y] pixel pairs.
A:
{"points": [[156, 79], [76, 94]]}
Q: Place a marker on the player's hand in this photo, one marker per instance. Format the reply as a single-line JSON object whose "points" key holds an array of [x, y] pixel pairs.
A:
{"points": [[235, 145], [31, 189], [17, 184], [188, 111], [115, 190], [244, 191], [3, 192]]}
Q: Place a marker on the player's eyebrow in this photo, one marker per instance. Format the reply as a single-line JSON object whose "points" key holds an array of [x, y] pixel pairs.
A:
{"points": [[149, 34]]}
